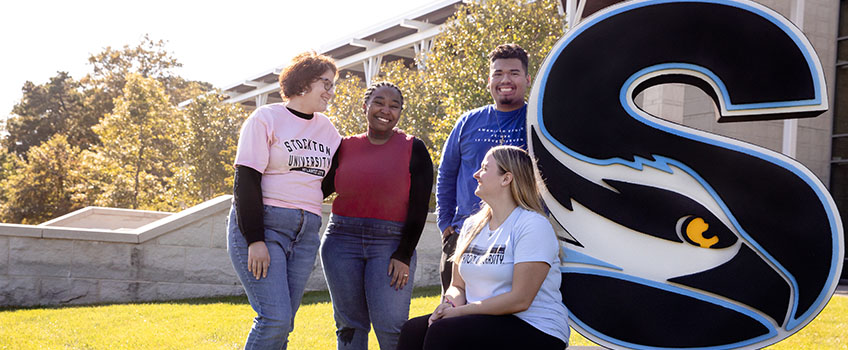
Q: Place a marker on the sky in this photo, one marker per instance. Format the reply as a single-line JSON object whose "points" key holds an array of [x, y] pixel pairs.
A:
{"points": [[220, 42]]}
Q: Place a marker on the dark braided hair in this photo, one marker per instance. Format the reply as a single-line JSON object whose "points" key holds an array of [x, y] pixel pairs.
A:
{"points": [[378, 85]]}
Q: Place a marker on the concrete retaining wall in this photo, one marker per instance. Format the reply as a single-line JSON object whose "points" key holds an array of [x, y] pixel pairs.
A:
{"points": [[175, 256]]}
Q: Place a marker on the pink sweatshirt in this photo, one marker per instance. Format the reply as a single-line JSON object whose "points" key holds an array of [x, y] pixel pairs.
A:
{"points": [[293, 155]]}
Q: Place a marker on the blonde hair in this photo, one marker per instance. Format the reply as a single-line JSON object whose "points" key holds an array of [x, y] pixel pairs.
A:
{"points": [[525, 189]]}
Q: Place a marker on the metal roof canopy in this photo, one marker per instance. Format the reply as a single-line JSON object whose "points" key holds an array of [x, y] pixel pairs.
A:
{"points": [[392, 40]]}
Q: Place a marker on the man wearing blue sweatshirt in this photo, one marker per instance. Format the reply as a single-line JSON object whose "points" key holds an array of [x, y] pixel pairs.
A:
{"points": [[476, 131]]}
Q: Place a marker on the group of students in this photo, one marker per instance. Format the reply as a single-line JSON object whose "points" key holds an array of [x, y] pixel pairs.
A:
{"points": [[500, 269]]}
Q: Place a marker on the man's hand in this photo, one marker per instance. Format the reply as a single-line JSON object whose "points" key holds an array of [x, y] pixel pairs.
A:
{"points": [[448, 231]]}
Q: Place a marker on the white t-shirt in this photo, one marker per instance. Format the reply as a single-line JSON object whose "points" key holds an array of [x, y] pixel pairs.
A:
{"points": [[487, 266], [293, 154]]}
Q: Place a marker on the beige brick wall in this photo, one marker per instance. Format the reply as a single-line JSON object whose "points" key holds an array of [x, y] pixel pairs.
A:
{"points": [[181, 256]]}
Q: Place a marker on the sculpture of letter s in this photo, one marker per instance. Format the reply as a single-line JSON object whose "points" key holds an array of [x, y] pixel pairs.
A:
{"points": [[675, 237]]}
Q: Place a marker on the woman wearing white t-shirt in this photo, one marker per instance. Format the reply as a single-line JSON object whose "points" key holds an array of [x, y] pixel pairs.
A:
{"points": [[506, 278], [284, 151]]}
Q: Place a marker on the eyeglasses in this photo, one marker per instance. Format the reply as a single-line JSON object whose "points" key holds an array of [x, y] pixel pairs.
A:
{"points": [[328, 84]]}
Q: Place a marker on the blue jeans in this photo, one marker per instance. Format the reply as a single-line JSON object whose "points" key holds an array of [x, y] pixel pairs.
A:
{"points": [[355, 253], [291, 236]]}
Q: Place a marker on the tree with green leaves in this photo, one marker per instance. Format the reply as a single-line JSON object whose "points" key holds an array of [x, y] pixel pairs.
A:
{"points": [[345, 110], [207, 148], [8, 167], [423, 105], [146, 159], [56, 107], [44, 185], [66, 106], [139, 146], [149, 59]]}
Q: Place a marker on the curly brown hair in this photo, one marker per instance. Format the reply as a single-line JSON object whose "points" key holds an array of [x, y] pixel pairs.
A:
{"points": [[303, 70]]}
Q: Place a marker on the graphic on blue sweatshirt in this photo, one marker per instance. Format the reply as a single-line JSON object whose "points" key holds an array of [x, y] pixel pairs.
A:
{"points": [[475, 133]]}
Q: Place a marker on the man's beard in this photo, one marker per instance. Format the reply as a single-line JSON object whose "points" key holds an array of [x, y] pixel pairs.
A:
{"points": [[507, 100]]}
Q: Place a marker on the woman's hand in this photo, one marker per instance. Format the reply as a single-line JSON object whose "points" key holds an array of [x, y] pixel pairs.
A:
{"points": [[258, 259], [439, 313], [452, 312], [399, 272]]}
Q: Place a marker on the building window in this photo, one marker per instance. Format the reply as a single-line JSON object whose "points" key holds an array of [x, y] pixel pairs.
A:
{"points": [[839, 149]]}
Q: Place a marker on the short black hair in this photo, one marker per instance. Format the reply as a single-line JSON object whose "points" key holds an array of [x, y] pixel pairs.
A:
{"points": [[510, 51]]}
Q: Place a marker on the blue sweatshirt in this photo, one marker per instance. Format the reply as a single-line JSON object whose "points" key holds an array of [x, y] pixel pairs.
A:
{"points": [[475, 133]]}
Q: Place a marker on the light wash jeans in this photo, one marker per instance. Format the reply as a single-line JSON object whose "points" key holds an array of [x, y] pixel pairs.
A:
{"points": [[291, 236], [355, 254]]}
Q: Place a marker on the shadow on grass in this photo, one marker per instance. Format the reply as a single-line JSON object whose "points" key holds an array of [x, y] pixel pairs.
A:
{"points": [[309, 298]]}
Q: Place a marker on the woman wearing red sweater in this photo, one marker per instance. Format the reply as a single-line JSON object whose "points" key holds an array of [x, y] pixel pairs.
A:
{"points": [[383, 179]]}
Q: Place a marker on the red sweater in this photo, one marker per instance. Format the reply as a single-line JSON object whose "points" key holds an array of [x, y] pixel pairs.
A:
{"points": [[373, 181]]}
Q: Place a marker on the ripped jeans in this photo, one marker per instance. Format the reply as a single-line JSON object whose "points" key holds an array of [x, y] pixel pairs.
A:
{"points": [[291, 236], [355, 254]]}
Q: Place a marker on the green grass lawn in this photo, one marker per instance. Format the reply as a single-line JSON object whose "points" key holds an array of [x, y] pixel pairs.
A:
{"points": [[223, 323]]}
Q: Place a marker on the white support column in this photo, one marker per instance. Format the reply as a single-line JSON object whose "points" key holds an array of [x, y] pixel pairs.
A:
{"points": [[790, 126], [422, 50], [790, 137], [571, 13], [371, 68], [261, 100], [797, 14]]}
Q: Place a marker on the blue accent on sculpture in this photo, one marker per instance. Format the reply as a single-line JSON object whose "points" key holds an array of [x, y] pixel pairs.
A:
{"points": [[574, 257], [676, 290], [663, 163]]}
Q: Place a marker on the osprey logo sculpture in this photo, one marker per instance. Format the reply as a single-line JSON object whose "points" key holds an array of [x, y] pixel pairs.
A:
{"points": [[679, 238]]}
